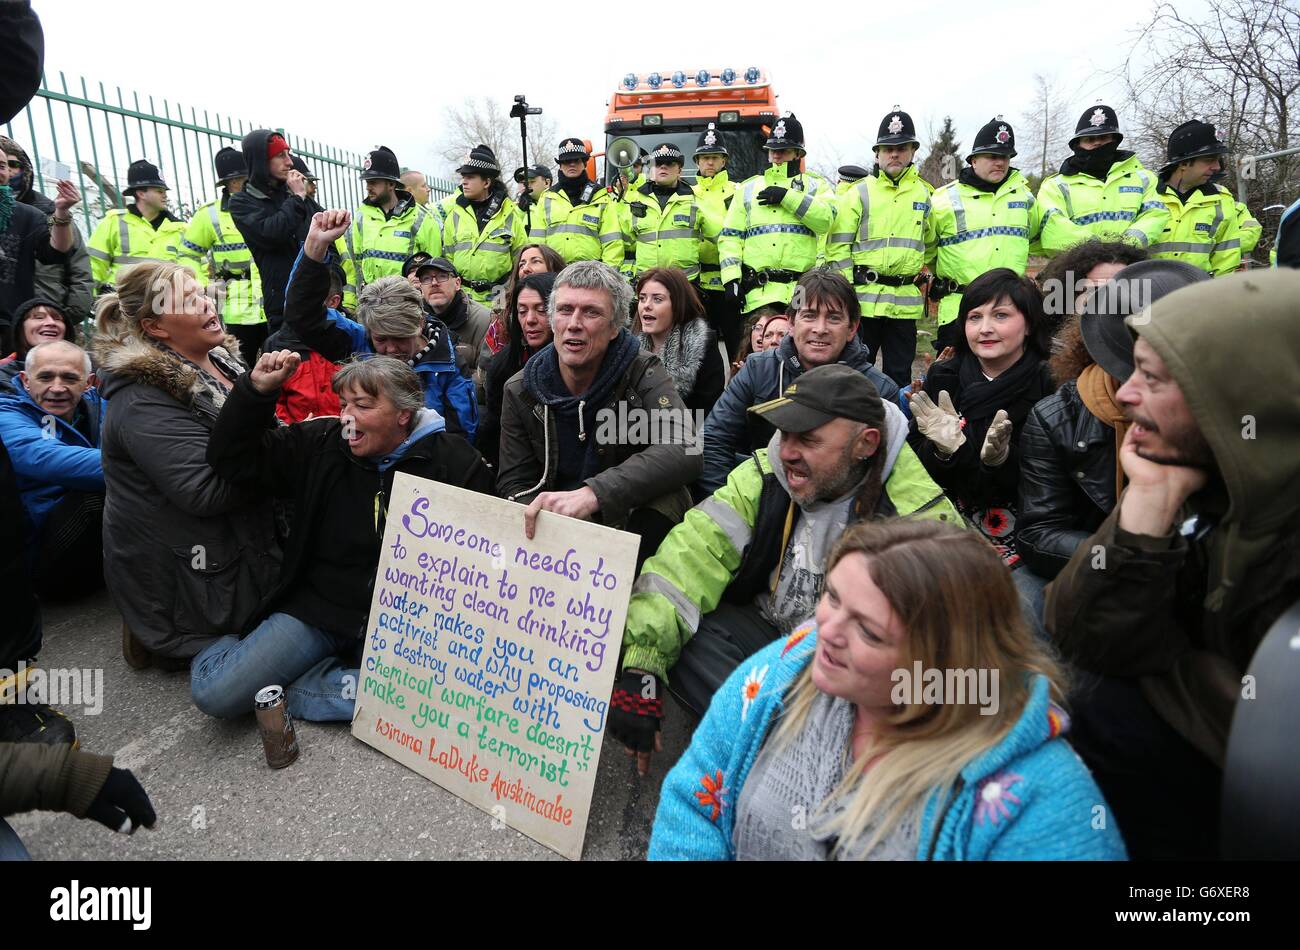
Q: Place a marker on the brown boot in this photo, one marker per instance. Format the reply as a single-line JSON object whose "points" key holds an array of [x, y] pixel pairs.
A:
{"points": [[135, 653]]}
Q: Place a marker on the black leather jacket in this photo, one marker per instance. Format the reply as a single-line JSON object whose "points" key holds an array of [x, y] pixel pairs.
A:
{"points": [[1067, 480]]}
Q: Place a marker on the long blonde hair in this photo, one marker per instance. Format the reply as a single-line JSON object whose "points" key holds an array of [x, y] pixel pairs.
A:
{"points": [[955, 598], [147, 289]]}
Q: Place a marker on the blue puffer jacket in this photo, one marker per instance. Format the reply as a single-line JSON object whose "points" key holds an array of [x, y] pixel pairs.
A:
{"points": [[1030, 797], [45, 468], [731, 432]]}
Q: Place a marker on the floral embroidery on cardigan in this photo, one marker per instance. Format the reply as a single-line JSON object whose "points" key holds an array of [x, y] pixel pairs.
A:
{"points": [[993, 795], [711, 797]]}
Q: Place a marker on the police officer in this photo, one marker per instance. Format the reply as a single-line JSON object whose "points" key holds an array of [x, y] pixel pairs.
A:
{"points": [[985, 219], [773, 228], [578, 218], [216, 250], [880, 242], [1203, 225], [387, 229], [310, 177], [142, 231], [848, 176], [714, 189], [484, 227], [1100, 191], [669, 224]]}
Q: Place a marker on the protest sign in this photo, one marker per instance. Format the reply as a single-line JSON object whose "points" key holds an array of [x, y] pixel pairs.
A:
{"points": [[490, 659]]}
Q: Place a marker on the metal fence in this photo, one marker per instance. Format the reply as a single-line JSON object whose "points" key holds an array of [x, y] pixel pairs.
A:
{"points": [[103, 137]]}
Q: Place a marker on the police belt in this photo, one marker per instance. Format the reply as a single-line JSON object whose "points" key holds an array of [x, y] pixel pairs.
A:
{"points": [[481, 286], [941, 287], [751, 278], [862, 274], [230, 275]]}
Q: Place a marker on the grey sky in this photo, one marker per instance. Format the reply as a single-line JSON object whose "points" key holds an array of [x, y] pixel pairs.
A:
{"points": [[322, 71]]}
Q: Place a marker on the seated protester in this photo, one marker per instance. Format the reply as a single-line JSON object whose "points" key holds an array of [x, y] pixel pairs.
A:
{"points": [[814, 725], [308, 633], [39, 320], [531, 259], [529, 333], [439, 283], [1068, 277], [188, 556], [745, 567], [824, 330], [390, 321], [51, 427], [1201, 555], [967, 416], [775, 330], [673, 328], [751, 342], [559, 450], [308, 394], [1069, 448]]}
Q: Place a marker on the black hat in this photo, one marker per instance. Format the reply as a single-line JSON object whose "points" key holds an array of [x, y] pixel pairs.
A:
{"points": [[997, 137], [572, 150], [415, 262], [787, 133], [897, 128], [852, 172], [1192, 139], [141, 174], [301, 168], [536, 171], [642, 155], [229, 163], [1099, 120], [481, 160], [421, 261], [820, 395], [667, 153], [710, 143], [381, 164], [1101, 317]]}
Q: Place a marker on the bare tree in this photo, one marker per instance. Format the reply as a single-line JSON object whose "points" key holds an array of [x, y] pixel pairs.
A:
{"points": [[1046, 127], [943, 162], [486, 121]]}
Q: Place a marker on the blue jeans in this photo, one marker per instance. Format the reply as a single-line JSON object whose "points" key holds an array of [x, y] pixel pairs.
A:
{"points": [[11, 846], [283, 651], [1033, 600]]}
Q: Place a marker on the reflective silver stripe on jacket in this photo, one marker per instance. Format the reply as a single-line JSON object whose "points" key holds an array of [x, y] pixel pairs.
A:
{"points": [[687, 612], [215, 217], [124, 234], [729, 520]]}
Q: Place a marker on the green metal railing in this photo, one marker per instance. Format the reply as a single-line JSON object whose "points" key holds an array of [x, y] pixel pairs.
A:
{"points": [[105, 137]]}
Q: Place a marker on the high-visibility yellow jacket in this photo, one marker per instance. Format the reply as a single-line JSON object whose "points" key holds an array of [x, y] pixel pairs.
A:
{"points": [[716, 192], [785, 237], [589, 231], [483, 257], [1124, 207], [672, 235], [976, 231], [217, 252], [124, 238], [1203, 231], [378, 243], [884, 225], [1250, 230]]}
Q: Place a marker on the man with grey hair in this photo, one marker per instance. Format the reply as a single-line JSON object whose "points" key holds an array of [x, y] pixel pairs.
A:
{"points": [[308, 634], [592, 427], [50, 425], [393, 322]]}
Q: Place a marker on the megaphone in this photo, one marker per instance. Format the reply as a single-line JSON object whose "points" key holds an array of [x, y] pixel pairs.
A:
{"points": [[622, 152]]}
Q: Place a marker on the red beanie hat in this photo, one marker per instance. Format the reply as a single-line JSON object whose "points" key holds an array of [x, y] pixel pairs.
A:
{"points": [[275, 145]]}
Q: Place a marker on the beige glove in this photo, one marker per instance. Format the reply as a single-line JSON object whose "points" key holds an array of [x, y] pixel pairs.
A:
{"points": [[997, 441], [940, 424]]}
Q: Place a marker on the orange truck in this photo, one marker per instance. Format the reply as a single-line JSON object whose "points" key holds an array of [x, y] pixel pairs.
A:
{"points": [[677, 105]]}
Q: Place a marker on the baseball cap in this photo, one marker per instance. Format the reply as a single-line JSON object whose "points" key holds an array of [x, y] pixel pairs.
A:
{"points": [[821, 395], [437, 263]]}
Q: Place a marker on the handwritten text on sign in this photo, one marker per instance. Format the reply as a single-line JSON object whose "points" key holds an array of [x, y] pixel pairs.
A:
{"points": [[490, 658]]}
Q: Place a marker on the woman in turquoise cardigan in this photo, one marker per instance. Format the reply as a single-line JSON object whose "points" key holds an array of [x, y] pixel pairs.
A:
{"points": [[912, 719]]}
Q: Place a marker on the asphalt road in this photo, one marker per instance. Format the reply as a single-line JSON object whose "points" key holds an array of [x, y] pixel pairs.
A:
{"points": [[217, 799]]}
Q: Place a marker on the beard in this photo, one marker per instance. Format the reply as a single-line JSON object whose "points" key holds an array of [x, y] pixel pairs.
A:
{"points": [[1186, 448], [847, 474]]}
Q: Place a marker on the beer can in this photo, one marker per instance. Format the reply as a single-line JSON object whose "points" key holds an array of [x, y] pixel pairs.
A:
{"points": [[276, 725]]}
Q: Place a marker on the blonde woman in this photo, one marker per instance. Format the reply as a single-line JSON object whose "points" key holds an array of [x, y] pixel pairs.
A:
{"points": [[828, 746]]}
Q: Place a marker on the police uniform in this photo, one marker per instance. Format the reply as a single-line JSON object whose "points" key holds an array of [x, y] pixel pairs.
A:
{"points": [[774, 226], [585, 228], [716, 193], [380, 240], [670, 230], [1104, 193], [849, 175], [979, 226], [1203, 226], [880, 242], [213, 246], [482, 239], [124, 237]]}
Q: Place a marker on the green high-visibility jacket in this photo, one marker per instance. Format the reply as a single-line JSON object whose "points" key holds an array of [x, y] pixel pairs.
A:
{"points": [[1203, 232], [778, 237], [1124, 207], [884, 225], [696, 563], [673, 235], [483, 256], [716, 192], [216, 250], [124, 238], [976, 231], [1250, 230], [378, 243], [589, 231]]}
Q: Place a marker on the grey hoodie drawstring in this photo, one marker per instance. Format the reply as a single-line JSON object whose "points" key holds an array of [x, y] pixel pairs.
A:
{"points": [[546, 454], [582, 425]]}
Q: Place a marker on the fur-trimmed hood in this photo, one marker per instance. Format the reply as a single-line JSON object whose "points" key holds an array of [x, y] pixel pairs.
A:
{"points": [[684, 351], [131, 360]]}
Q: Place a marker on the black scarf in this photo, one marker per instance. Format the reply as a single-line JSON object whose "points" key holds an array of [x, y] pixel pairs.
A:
{"points": [[1096, 163], [968, 177], [981, 398], [456, 314], [573, 187]]}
